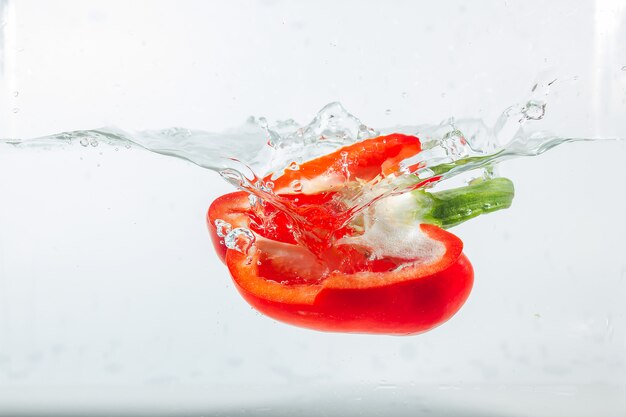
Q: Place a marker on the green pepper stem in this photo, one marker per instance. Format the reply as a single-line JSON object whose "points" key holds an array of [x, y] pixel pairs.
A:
{"points": [[451, 207]]}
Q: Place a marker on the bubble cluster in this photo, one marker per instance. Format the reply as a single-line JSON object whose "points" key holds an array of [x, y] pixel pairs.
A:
{"points": [[239, 239], [534, 110], [223, 227]]}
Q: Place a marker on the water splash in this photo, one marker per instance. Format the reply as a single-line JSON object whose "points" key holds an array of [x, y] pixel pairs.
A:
{"points": [[252, 156]]}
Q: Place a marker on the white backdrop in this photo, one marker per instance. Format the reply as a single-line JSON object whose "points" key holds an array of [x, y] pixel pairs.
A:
{"points": [[111, 297]]}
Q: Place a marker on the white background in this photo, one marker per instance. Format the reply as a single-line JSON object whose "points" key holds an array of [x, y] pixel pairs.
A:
{"points": [[111, 298]]}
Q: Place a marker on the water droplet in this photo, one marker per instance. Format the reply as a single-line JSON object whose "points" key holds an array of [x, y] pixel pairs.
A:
{"points": [[296, 185], [534, 110], [16, 109], [117, 149], [293, 166], [17, 93], [84, 142], [624, 68], [249, 260], [239, 239], [93, 142], [404, 94], [387, 112], [223, 228], [269, 185]]}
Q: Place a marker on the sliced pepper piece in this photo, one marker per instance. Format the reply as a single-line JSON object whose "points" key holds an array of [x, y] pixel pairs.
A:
{"points": [[344, 289], [285, 281]]}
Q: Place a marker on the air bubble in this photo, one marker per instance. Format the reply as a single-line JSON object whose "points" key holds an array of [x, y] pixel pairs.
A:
{"points": [[16, 109], [624, 68], [93, 142], [296, 185], [223, 228], [84, 142], [17, 93], [239, 239], [387, 112], [293, 166], [534, 110], [252, 200]]}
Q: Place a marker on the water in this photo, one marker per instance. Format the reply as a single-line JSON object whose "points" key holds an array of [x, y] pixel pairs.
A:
{"points": [[112, 300], [124, 286], [254, 155]]}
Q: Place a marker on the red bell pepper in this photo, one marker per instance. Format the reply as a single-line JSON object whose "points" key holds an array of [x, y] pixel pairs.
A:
{"points": [[342, 288]]}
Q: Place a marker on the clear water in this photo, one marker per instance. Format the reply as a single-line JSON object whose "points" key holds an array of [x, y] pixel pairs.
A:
{"points": [[252, 155], [112, 301], [565, 330]]}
